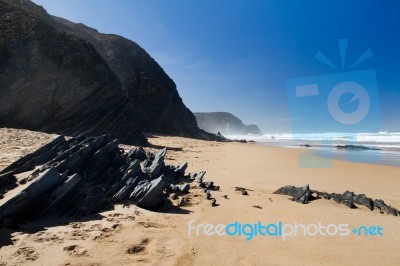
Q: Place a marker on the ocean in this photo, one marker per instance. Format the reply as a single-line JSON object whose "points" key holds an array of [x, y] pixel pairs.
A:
{"points": [[377, 148]]}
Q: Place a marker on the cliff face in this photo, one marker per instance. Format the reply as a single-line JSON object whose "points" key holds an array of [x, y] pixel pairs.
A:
{"points": [[55, 80], [253, 129], [225, 123], [153, 93]]}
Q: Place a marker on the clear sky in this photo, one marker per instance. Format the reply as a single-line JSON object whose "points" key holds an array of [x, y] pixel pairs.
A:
{"points": [[237, 56]]}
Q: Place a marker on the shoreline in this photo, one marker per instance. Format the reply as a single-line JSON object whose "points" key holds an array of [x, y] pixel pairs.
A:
{"points": [[369, 156]]}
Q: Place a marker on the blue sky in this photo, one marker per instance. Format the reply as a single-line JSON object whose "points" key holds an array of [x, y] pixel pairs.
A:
{"points": [[237, 56]]}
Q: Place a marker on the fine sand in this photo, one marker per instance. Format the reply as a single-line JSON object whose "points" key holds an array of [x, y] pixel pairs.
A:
{"points": [[129, 235]]}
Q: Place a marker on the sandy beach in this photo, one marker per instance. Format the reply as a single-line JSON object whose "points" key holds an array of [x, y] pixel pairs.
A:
{"points": [[128, 235]]}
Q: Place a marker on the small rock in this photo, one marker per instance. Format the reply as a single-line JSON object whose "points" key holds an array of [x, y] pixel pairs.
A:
{"points": [[208, 193], [242, 190], [213, 202]]}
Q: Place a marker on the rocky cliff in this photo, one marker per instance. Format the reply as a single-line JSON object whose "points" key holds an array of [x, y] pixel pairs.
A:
{"points": [[156, 102], [253, 129], [225, 123], [57, 76]]}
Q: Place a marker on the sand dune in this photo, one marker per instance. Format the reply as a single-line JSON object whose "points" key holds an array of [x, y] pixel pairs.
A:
{"points": [[128, 235]]}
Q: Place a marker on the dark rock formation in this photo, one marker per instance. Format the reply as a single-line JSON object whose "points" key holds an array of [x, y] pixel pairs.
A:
{"points": [[240, 140], [206, 186], [56, 82], [7, 182], [242, 190], [198, 176], [302, 195], [355, 147], [225, 123], [157, 166], [57, 76], [305, 194], [22, 202], [152, 198], [180, 170], [184, 188], [137, 153], [86, 175], [306, 145]]}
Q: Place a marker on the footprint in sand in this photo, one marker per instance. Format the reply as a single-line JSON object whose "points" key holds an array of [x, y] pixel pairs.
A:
{"points": [[78, 235], [187, 257], [119, 216], [95, 227], [76, 225], [101, 236], [26, 253], [75, 250], [47, 237], [151, 225], [115, 215], [105, 232], [141, 248], [116, 226]]}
